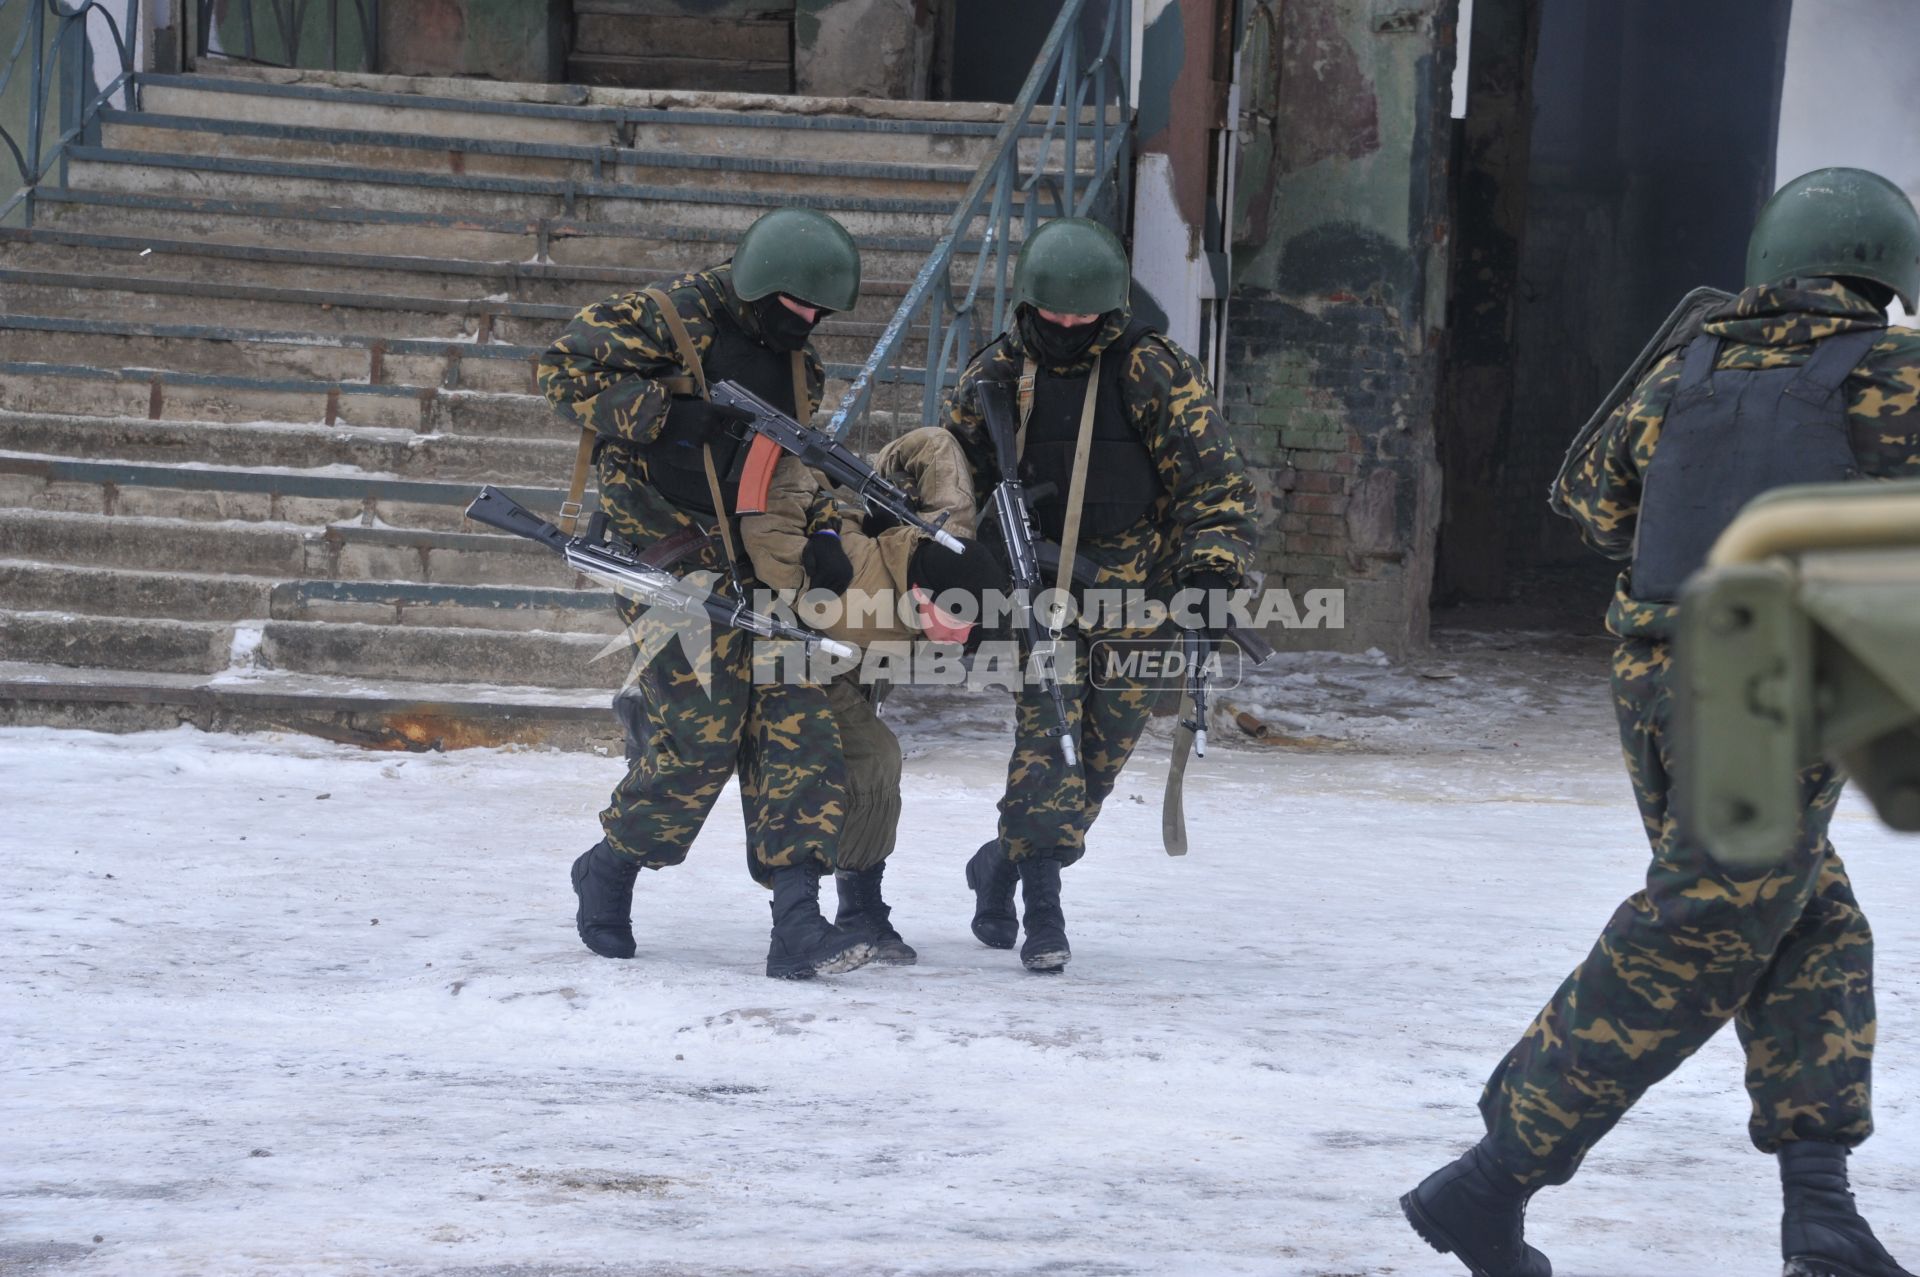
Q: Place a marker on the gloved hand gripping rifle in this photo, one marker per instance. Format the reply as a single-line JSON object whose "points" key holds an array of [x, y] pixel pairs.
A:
{"points": [[775, 432]]}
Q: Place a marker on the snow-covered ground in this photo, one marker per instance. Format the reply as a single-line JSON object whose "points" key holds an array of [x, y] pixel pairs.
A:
{"points": [[276, 1006]]}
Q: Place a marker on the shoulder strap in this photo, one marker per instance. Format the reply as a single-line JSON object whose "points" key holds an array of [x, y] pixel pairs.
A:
{"points": [[570, 509], [682, 339], [1696, 373], [1023, 394], [803, 404], [1077, 486], [1832, 361]]}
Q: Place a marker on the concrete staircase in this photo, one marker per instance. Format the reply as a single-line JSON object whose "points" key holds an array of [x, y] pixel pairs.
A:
{"points": [[259, 353]]}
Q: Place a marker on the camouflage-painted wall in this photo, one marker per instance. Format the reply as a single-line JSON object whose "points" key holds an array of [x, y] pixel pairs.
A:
{"points": [[1338, 307]]}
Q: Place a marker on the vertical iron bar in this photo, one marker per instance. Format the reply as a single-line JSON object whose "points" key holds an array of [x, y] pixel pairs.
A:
{"points": [[36, 90], [1099, 102], [937, 308], [1070, 85], [1001, 227]]}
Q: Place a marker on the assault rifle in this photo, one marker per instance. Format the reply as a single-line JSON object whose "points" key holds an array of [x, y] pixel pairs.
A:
{"points": [[612, 564], [775, 432], [1016, 531], [1675, 331]]}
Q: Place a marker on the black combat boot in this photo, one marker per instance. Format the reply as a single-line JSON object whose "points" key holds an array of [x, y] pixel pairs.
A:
{"points": [[1476, 1212], [1821, 1234], [1046, 947], [862, 910], [603, 879], [805, 944], [992, 877]]}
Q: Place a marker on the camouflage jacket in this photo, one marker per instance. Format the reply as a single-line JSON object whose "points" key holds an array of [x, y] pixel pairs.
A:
{"points": [[1773, 326], [609, 373], [606, 371], [1204, 520]]}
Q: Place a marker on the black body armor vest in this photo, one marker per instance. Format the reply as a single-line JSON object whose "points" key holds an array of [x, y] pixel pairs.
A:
{"points": [[1730, 436], [677, 471], [1122, 481]]}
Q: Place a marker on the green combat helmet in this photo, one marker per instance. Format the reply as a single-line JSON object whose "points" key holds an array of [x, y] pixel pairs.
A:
{"points": [[1072, 266], [1797, 644], [1839, 221], [799, 252]]}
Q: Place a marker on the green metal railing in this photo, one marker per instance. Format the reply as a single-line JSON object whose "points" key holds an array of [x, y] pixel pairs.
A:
{"points": [[1086, 82], [329, 35], [48, 96]]}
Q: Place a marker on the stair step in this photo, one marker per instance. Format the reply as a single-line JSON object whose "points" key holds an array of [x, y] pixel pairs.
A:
{"points": [[568, 242], [716, 122], [38, 481], [397, 350], [485, 286], [331, 312], [31, 586], [725, 211], [275, 354], [350, 552], [440, 653], [488, 156], [165, 394], [406, 715], [382, 451]]}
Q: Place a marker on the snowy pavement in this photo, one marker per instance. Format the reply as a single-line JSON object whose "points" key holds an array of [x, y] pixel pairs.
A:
{"points": [[269, 1005]]}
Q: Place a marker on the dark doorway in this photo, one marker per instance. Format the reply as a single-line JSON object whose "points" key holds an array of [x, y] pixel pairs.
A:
{"points": [[1649, 145]]}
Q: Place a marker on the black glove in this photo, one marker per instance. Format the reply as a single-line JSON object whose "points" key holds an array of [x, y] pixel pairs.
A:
{"points": [[1215, 588], [826, 564], [936, 569], [691, 422]]}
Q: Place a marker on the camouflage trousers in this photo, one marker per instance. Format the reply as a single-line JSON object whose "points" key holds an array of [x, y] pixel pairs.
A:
{"points": [[694, 717], [872, 755], [1048, 806], [1785, 954]]}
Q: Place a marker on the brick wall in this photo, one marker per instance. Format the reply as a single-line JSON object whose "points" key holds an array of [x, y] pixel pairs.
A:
{"points": [[1321, 401]]}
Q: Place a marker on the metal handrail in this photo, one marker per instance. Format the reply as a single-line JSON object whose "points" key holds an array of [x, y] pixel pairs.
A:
{"points": [[1099, 80], [62, 65], [289, 26]]}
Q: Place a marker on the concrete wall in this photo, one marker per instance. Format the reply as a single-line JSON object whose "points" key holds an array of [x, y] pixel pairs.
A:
{"points": [[864, 48], [1336, 314]]}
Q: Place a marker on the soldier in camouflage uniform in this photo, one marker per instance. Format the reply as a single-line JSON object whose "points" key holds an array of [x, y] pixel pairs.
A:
{"points": [[1168, 504], [1798, 379], [661, 451]]}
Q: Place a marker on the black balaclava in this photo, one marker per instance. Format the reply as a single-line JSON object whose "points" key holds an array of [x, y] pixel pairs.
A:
{"points": [[1056, 345], [780, 328]]}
